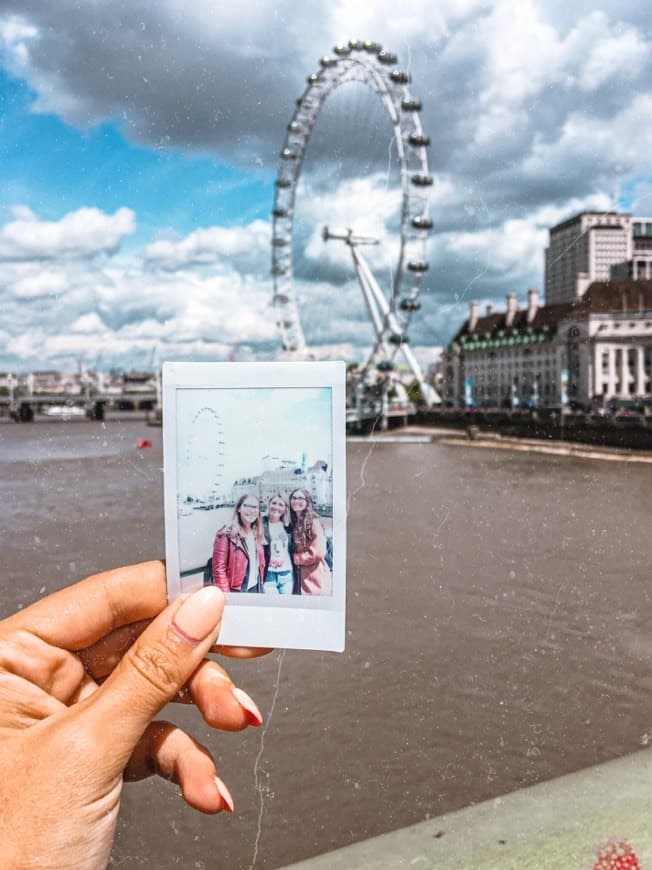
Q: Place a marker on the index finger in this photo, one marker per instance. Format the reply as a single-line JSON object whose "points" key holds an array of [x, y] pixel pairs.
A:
{"points": [[79, 615], [241, 652]]}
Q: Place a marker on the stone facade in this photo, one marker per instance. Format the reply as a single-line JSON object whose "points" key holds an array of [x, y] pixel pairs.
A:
{"points": [[317, 479], [583, 353]]}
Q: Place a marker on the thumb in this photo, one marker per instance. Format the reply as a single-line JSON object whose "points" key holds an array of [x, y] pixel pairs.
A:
{"points": [[153, 670]]}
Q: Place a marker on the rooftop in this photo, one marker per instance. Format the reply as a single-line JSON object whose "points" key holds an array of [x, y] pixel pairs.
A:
{"points": [[601, 297], [572, 220]]}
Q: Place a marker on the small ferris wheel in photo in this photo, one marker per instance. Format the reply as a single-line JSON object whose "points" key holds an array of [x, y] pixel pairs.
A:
{"points": [[390, 302], [205, 450]]}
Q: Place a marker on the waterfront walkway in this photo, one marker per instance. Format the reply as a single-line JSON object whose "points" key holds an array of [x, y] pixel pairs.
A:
{"points": [[575, 821], [476, 438]]}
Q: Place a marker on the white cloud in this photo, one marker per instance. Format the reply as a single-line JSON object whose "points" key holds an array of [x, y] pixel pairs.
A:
{"points": [[82, 233], [515, 247], [119, 306], [88, 324], [210, 245], [365, 205], [623, 145], [604, 51], [16, 37], [383, 20], [526, 53], [27, 283]]}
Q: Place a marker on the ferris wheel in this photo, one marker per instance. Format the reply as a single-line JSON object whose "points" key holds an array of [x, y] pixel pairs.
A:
{"points": [[205, 451], [390, 309]]}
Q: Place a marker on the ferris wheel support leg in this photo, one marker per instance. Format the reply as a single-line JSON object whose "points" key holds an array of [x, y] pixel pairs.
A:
{"points": [[363, 274], [393, 325]]}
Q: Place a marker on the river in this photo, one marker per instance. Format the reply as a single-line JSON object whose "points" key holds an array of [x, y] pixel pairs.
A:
{"points": [[497, 635]]}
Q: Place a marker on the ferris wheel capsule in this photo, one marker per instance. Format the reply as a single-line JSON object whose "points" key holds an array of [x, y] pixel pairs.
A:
{"points": [[387, 57]]}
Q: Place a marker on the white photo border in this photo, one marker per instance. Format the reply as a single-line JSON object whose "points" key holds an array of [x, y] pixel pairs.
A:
{"points": [[299, 622]]}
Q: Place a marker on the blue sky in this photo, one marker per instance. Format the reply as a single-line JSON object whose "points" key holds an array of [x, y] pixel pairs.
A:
{"points": [[52, 167], [139, 148]]}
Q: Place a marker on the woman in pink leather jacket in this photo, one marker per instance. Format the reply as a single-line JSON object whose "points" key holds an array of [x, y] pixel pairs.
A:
{"points": [[309, 544]]}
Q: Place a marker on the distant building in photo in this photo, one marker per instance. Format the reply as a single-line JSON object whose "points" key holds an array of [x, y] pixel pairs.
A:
{"points": [[581, 352], [286, 477]]}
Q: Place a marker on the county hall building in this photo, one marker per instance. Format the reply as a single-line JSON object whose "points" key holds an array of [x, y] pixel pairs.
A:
{"points": [[592, 344]]}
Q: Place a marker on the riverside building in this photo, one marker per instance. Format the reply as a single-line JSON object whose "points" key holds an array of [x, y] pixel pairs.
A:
{"points": [[595, 246], [581, 353]]}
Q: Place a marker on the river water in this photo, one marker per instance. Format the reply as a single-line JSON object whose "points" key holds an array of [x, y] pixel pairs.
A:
{"points": [[497, 635]]}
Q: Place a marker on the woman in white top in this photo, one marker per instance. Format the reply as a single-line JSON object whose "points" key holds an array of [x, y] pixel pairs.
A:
{"points": [[279, 578]]}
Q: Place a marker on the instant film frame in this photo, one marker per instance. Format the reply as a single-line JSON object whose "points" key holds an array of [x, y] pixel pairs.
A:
{"points": [[233, 428]]}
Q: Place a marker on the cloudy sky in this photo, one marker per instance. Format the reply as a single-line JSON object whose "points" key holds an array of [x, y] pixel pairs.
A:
{"points": [[139, 145], [236, 424]]}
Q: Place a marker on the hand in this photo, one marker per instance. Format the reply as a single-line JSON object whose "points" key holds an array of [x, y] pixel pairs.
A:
{"points": [[82, 674]]}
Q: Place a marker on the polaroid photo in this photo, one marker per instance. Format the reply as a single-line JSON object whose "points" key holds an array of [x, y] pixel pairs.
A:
{"points": [[255, 496]]}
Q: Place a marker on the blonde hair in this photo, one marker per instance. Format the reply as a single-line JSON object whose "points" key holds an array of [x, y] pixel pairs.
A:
{"points": [[285, 516], [235, 527]]}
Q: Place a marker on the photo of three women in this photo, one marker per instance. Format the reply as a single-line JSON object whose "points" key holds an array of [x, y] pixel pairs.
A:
{"points": [[282, 553]]}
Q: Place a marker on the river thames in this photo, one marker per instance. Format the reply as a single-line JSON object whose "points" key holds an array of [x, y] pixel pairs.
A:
{"points": [[497, 635]]}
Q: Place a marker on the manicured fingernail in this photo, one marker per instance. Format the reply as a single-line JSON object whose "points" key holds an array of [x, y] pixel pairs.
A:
{"points": [[198, 615], [225, 794], [249, 706]]}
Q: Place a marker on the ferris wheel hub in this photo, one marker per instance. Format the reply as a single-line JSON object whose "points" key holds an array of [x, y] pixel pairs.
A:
{"points": [[348, 237]]}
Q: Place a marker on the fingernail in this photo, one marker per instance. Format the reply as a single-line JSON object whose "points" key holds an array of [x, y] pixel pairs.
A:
{"points": [[225, 794], [198, 615], [249, 705]]}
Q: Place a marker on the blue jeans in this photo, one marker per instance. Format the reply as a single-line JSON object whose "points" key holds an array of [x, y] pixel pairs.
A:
{"points": [[279, 582]]}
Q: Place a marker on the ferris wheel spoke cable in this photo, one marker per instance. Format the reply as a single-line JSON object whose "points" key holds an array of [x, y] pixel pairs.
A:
{"points": [[357, 63]]}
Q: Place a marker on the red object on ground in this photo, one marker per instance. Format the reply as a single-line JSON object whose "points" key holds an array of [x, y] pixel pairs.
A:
{"points": [[143, 442], [617, 855]]}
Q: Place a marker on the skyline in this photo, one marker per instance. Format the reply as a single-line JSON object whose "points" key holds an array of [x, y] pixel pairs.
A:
{"points": [[254, 423], [139, 152]]}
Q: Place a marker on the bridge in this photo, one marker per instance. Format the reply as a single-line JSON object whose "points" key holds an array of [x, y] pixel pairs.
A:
{"points": [[378, 414], [23, 408]]}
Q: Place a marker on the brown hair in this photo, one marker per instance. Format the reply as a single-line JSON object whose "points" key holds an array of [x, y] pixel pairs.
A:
{"points": [[302, 524]]}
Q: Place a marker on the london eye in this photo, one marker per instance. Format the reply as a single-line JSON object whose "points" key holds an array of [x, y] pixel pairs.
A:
{"points": [[204, 454], [392, 299]]}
